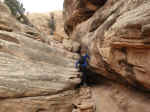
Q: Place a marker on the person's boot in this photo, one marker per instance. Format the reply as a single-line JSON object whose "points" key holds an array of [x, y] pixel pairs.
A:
{"points": [[84, 84]]}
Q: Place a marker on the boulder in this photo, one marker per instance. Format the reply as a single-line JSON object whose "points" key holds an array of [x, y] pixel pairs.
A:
{"points": [[71, 45], [58, 37]]}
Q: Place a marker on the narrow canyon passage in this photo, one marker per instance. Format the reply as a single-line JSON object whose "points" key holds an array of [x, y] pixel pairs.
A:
{"points": [[37, 64]]}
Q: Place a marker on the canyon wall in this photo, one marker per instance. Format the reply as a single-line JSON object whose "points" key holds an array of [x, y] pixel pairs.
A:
{"points": [[34, 76], [41, 21], [116, 33]]}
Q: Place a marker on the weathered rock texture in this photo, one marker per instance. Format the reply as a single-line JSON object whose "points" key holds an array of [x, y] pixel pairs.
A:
{"points": [[9, 23], [34, 76], [41, 21], [38, 77], [111, 97], [59, 39], [77, 11], [117, 37]]}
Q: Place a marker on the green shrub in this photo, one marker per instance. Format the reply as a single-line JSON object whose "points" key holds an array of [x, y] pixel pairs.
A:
{"points": [[18, 10]]}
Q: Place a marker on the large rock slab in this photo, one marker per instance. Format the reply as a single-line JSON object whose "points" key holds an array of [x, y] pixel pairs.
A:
{"points": [[34, 77], [30, 68], [48, 103]]}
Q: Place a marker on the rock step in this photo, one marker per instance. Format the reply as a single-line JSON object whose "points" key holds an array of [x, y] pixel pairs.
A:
{"points": [[84, 102]]}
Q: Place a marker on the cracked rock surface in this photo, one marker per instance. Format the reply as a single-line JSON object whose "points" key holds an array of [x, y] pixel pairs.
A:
{"points": [[117, 38], [34, 76]]}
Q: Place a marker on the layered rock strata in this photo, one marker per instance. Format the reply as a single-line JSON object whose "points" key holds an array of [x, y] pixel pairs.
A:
{"points": [[117, 37]]}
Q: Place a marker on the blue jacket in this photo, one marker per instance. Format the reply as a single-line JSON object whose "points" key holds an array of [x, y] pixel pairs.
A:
{"points": [[84, 61]]}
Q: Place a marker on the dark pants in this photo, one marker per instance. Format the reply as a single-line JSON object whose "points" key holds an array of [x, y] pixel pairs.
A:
{"points": [[84, 74]]}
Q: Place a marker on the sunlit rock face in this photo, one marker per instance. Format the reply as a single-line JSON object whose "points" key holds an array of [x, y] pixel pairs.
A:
{"points": [[9, 23], [117, 37], [34, 76], [41, 21]]}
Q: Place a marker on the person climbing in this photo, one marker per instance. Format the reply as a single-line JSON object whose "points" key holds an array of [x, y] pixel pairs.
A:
{"points": [[82, 65]]}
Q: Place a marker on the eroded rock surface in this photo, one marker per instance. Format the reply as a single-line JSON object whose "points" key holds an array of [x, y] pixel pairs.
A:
{"points": [[41, 21], [34, 76], [117, 36], [77, 11], [112, 97]]}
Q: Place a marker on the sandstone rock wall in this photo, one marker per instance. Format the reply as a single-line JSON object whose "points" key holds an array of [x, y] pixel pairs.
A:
{"points": [[41, 21], [34, 76], [77, 11], [111, 97], [117, 38], [38, 77]]}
